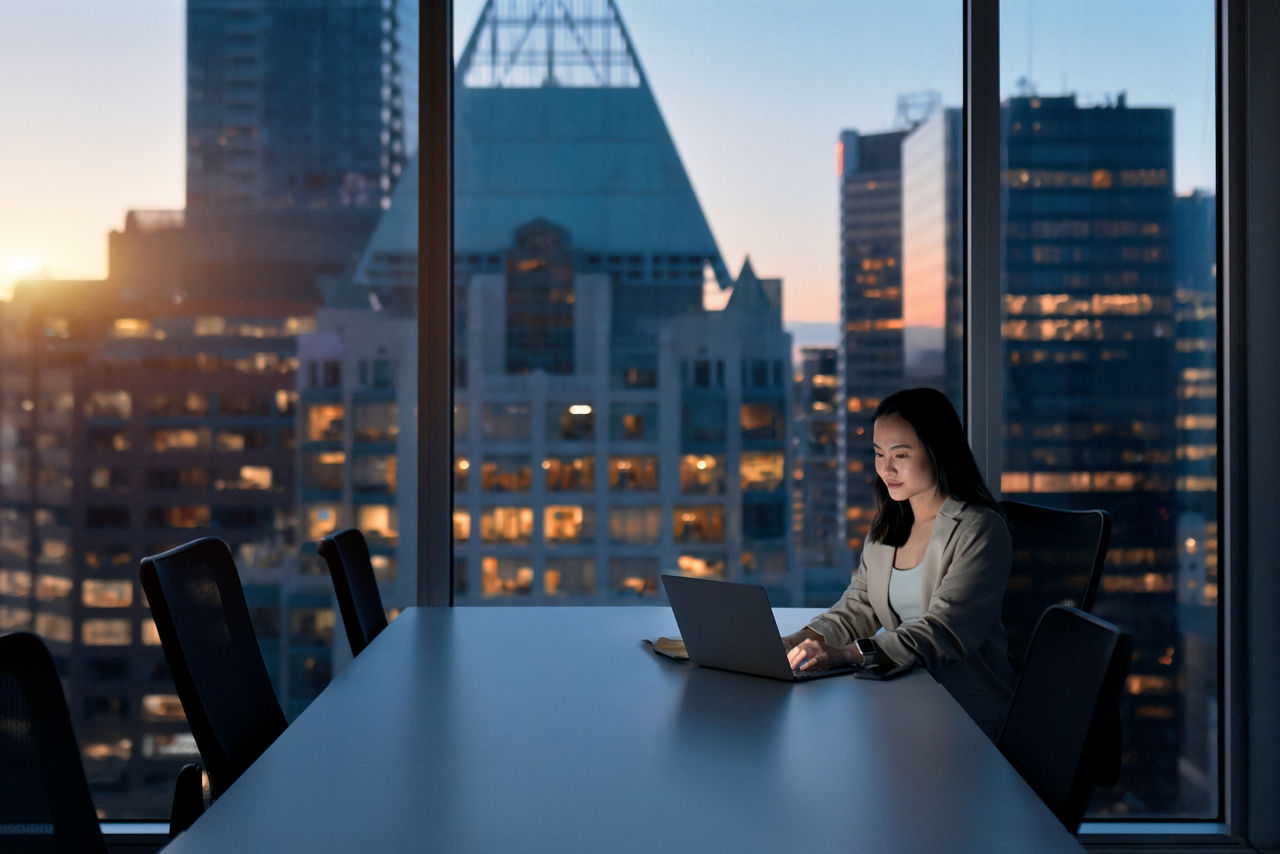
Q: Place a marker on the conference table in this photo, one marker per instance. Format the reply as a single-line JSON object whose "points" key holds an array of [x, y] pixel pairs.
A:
{"points": [[513, 729]]}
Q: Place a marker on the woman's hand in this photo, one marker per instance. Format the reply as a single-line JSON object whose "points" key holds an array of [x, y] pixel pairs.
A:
{"points": [[789, 641], [814, 654]]}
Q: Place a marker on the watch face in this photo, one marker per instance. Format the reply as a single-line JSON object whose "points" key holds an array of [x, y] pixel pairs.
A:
{"points": [[866, 646]]}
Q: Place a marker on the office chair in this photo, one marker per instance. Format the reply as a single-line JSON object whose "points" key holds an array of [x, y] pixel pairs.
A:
{"points": [[347, 554], [45, 803], [203, 621], [1058, 731], [1057, 560]]}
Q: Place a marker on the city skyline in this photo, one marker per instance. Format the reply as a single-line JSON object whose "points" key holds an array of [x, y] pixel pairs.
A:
{"points": [[60, 205]]}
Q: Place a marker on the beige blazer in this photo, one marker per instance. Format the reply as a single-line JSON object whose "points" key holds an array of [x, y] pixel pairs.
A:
{"points": [[960, 638]]}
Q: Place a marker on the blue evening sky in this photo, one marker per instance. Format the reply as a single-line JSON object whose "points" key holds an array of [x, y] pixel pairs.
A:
{"points": [[755, 93]]}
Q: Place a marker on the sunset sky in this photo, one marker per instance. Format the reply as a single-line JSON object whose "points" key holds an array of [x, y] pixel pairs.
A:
{"points": [[754, 92]]}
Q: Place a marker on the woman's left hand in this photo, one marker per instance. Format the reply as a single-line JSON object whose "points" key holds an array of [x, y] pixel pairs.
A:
{"points": [[813, 654]]}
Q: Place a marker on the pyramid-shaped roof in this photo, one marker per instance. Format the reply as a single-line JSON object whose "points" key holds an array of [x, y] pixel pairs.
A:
{"points": [[554, 120]]}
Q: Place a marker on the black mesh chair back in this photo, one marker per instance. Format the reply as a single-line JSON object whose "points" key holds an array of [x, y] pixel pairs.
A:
{"points": [[347, 554], [1058, 732], [209, 643], [45, 805], [1057, 560]]}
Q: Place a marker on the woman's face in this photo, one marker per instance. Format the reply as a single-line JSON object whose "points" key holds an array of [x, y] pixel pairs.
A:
{"points": [[901, 461]]}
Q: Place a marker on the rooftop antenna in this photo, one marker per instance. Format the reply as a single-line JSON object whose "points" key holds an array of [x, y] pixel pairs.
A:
{"points": [[915, 107]]}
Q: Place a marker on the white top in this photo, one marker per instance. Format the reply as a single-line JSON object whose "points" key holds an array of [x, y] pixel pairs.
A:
{"points": [[905, 592]]}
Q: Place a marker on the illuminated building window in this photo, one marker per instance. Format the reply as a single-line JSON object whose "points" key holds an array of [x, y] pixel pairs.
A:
{"points": [[50, 588], [102, 750], [636, 575], [183, 516], [181, 439], [321, 520], [570, 421], [101, 477], [131, 327], [702, 474], [189, 404], [633, 422], [506, 473], [207, 325], [242, 440], [570, 474], [15, 582], [461, 473], [568, 524], [323, 471], [378, 422], [378, 522], [108, 404], [253, 477], [461, 526], [701, 565], [505, 576], [635, 525], [104, 593], [506, 421], [149, 633], [634, 473], [20, 619], [111, 632], [569, 576], [162, 707], [762, 471], [698, 524], [506, 524], [373, 473], [324, 422], [100, 439], [169, 745], [53, 627], [762, 422]]}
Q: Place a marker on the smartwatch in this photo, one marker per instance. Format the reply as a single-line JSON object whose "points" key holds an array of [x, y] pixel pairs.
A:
{"points": [[867, 649]]}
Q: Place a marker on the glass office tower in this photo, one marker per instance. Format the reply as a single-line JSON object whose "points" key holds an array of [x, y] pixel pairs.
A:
{"points": [[871, 345], [1089, 336], [298, 104]]}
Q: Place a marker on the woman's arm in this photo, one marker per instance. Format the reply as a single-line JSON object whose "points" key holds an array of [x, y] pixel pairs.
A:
{"points": [[852, 617]]}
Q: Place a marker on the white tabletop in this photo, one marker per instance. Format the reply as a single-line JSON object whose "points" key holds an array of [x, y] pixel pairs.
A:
{"points": [[513, 729]]}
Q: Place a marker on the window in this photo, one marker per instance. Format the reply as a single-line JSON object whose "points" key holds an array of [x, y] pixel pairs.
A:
{"points": [[570, 474], [1110, 328], [633, 473], [702, 474]]}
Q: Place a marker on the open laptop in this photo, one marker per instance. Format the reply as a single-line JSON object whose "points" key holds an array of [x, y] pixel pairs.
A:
{"points": [[731, 627]]}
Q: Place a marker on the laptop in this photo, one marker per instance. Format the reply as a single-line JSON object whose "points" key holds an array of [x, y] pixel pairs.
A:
{"points": [[731, 627]]}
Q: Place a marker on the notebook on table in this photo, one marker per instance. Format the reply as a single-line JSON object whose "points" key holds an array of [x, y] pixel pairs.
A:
{"points": [[731, 627]]}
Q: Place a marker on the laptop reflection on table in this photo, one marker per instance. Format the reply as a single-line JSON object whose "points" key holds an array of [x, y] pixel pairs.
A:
{"points": [[730, 626]]}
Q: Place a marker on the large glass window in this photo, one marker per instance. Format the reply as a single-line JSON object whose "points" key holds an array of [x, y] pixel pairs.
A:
{"points": [[201, 332], [1110, 329]]}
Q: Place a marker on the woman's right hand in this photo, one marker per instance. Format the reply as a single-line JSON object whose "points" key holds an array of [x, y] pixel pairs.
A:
{"points": [[789, 642]]}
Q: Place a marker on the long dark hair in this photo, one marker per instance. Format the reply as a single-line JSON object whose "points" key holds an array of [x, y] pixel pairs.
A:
{"points": [[942, 437]]}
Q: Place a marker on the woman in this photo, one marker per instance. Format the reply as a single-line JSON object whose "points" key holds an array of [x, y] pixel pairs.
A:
{"points": [[933, 569]]}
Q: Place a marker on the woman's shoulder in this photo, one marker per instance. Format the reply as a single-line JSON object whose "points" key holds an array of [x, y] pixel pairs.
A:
{"points": [[974, 515]]}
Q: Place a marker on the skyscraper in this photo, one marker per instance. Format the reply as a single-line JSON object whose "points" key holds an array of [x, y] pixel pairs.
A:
{"points": [[298, 104], [1089, 342], [871, 344]]}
